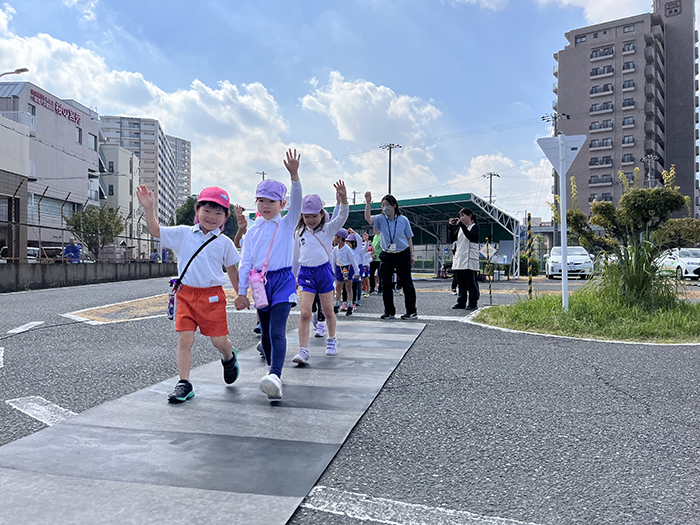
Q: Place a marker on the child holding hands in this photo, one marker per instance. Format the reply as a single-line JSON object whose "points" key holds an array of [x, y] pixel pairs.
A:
{"points": [[271, 230], [200, 301], [313, 243]]}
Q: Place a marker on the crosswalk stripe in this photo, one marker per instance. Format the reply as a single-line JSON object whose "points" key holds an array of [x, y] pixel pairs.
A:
{"points": [[41, 409], [25, 327]]}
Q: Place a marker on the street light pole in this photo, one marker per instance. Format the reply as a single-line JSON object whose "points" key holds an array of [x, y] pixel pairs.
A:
{"points": [[390, 147], [491, 175], [648, 159], [15, 72]]}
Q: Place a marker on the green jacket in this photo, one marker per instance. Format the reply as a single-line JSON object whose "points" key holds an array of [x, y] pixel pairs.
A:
{"points": [[377, 246]]}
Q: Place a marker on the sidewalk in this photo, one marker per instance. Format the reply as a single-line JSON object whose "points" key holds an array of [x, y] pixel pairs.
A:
{"points": [[226, 456]]}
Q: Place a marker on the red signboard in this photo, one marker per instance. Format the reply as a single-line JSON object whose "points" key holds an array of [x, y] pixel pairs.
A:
{"points": [[57, 107]]}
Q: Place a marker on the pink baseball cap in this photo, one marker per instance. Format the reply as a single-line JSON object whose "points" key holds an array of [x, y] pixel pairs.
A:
{"points": [[215, 194]]}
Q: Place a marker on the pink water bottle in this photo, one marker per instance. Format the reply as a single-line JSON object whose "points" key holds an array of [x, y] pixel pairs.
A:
{"points": [[257, 287]]}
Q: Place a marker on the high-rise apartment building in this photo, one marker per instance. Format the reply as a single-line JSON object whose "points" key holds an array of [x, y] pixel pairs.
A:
{"points": [[145, 138], [630, 86], [182, 149]]}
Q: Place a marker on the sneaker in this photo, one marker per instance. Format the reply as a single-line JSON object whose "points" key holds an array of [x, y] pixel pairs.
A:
{"points": [[344, 307], [257, 329], [320, 329], [231, 369], [459, 307], [454, 292], [388, 316], [183, 391], [358, 303], [366, 294], [401, 291], [260, 349], [314, 319], [271, 385], [331, 346], [335, 309], [405, 317], [349, 311], [302, 357], [472, 307]]}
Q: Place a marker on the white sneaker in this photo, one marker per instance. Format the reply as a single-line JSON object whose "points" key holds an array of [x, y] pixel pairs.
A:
{"points": [[271, 385], [320, 329], [331, 346], [302, 357]]}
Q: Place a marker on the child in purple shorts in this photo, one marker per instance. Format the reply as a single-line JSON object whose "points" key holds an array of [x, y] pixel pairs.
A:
{"points": [[312, 248]]}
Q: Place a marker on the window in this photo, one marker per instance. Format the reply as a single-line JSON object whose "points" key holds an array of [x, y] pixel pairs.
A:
{"points": [[628, 83], [628, 29], [594, 125], [594, 161], [595, 89], [628, 65], [607, 124], [110, 167], [628, 157], [594, 143], [607, 69], [595, 72], [580, 39], [592, 197], [629, 46], [606, 197], [606, 160], [628, 103], [111, 190], [606, 179], [595, 107], [607, 87], [92, 141], [79, 135], [628, 139], [31, 109], [607, 105], [628, 121], [606, 142], [594, 179]]}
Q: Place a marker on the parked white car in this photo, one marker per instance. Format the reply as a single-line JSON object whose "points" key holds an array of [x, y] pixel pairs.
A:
{"points": [[684, 262], [579, 263]]}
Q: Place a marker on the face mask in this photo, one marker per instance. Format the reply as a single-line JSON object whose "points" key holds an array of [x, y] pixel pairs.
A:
{"points": [[387, 210]]}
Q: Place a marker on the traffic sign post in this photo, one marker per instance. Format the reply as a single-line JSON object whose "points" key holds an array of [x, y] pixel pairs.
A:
{"points": [[561, 151]]}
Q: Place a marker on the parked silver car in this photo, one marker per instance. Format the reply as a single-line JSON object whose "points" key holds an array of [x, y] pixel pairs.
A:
{"points": [[579, 263]]}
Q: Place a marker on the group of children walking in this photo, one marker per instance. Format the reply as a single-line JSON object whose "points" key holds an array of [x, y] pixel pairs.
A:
{"points": [[306, 246]]}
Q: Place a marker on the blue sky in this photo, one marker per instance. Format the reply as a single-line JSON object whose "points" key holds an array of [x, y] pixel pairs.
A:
{"points": [[461, 84]]}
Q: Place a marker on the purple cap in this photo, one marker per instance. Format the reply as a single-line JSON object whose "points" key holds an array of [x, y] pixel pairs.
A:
{"points": [[271, 189], [351, 237], [311, 204], [342, 233]]}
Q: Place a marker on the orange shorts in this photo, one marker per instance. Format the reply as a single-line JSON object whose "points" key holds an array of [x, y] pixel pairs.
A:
{"points": [[201, 307]]}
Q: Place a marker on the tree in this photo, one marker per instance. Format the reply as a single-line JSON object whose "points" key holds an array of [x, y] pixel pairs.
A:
{"points": [[678, 233], [96, 226]]}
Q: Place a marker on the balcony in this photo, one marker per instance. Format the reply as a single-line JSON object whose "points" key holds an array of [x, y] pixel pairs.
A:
{"points": [[602, 128], [555, 71], [629, 51], [603, 74], [555, 88], [628, 144], [628, 105], [601, 92], [628, 69], [21, 117], [602, 55], [599, 147], [607, 164], [600, 180], [598, 111]]}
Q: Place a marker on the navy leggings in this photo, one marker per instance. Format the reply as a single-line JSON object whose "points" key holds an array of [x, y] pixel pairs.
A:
{"points": [[273, 330]]}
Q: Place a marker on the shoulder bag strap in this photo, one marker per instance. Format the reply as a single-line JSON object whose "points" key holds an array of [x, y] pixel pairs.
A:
{"points": [[182, 275], [267, 259]]}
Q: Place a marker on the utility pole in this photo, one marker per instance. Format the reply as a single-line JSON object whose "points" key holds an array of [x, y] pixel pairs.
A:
{"points": [[648, 159], [390, 147], [491, 175], [354, 195], [261, 173], [554, 119]]}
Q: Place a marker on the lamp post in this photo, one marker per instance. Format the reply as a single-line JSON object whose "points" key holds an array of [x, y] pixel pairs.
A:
{"points": [[15, 72], [648, 159], [390, 147]]}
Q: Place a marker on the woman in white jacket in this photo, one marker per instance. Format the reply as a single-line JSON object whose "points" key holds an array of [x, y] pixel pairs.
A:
{"points": [[465, 262]]}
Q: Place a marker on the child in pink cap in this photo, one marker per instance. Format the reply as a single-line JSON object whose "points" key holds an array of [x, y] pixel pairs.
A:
{"points": [[267, 249], [201, 302], [312, 249]]}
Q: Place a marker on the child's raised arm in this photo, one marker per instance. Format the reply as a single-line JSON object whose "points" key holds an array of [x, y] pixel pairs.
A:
{"points": [[147, 200]]}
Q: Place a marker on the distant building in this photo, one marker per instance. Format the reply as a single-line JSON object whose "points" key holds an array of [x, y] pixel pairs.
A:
{"points": [[14, 175], [629, 85], [182, 150], [145, 138], [63, 156]]}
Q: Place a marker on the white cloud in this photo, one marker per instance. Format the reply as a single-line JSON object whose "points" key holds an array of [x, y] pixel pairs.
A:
{"points": [[86, 8], [362, 110], [597, 11], [6, 14]]}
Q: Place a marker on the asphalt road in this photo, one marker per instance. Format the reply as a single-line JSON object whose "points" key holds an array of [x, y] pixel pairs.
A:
{"points": [[475, 420]]}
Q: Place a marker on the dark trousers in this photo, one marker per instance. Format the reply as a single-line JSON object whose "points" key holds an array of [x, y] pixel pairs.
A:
{"points": [[401, 264], [374, 267], [316, 307], [468, 286], [273, 324]]}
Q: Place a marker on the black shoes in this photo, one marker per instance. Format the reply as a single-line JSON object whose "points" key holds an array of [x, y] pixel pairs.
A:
{"points": [[472, 307], [183, 391], [406, 317], [349, 310], [231, 369], [459, 307], [387, 316]]}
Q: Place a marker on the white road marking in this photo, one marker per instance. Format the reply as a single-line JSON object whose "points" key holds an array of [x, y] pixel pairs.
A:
{"points": [[341, 315], [41, 409], [25, 327], [380, 510]]}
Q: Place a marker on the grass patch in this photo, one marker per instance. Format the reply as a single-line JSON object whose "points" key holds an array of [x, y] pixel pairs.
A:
{"points": [[592, 315]]}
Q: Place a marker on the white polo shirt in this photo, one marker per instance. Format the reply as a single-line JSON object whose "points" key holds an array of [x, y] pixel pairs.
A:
{"points": [[206, 269], [313, 248]]}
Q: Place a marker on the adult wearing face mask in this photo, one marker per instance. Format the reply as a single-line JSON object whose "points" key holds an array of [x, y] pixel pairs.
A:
{"points": [[396, 237]]}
